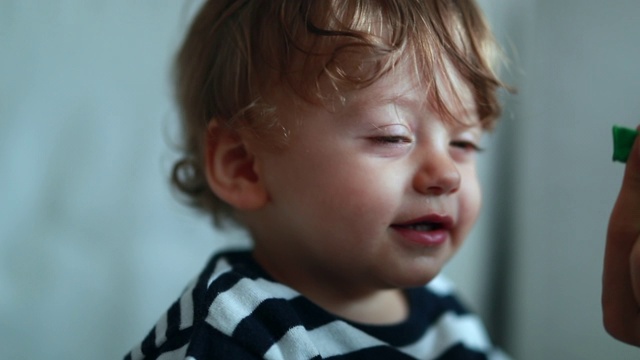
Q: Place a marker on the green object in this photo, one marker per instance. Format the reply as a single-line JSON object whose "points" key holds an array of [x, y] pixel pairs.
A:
{"points": [[623, 139]]}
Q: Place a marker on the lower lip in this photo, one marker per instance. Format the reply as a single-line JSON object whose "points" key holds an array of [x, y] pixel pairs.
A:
{"points": [[426, 238]]}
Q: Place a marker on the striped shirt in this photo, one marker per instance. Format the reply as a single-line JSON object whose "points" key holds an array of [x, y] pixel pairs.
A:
{"points": [[235, 310]]}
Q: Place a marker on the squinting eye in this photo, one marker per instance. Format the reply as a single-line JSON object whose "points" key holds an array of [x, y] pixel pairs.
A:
{"points": [[391, 139], [467, 146]]}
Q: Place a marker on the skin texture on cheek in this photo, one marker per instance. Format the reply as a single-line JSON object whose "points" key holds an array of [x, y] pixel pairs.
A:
{"points": [[469, 210]]}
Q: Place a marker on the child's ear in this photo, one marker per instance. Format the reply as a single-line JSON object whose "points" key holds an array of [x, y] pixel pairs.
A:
{"points": [[231, 171]]}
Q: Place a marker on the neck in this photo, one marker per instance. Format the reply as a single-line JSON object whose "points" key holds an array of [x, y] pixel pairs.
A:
{"points": [[384, 307], [369, 306]]}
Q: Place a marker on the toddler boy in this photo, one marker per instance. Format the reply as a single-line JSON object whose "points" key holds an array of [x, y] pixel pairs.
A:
{"points": [[343, 135]]}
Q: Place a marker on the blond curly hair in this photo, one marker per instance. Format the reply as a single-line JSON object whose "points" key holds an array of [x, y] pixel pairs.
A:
{"points": [[238, 51]]}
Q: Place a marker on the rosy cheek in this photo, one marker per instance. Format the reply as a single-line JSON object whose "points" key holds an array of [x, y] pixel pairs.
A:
{"points": [[470, 201]]}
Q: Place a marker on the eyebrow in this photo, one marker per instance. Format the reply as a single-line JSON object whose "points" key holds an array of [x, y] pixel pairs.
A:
{"points": [[463, 112], [460, 111]]}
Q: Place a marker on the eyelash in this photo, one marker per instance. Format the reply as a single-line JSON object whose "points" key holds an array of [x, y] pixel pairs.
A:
{"points": [[393, 140], [467, 145], [398, 140]]}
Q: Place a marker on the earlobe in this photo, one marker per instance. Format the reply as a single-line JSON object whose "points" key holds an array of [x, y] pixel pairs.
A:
{"points": [[231, 169]]}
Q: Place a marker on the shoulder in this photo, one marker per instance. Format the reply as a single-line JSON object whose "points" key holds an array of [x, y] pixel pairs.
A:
{"points": [[209, 310]]}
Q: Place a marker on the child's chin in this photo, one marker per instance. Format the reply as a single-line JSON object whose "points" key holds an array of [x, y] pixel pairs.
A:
{"points": [[416, 280]]}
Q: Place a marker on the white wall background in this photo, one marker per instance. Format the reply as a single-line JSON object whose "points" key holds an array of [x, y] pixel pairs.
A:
{"points": [[93, 247], [580, 75]]}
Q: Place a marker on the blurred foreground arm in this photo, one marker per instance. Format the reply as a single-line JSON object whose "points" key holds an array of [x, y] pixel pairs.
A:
{"points": [[621, 277]]}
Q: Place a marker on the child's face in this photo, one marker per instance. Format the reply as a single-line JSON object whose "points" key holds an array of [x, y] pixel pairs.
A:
{"points": [[377, 193]]}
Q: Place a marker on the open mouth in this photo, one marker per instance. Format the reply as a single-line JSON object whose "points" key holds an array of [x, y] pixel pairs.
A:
{"points": [[427, 223], [422, 226], [430, 231]]}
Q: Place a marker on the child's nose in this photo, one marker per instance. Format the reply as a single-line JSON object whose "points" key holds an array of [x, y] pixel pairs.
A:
{"points": [[437, 175]]}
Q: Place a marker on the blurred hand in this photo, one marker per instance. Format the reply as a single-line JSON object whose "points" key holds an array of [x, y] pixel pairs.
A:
{"points": [[621, 277]]}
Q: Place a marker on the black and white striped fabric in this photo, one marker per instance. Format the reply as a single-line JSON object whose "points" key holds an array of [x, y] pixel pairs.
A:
{"points": [[234, 310]]}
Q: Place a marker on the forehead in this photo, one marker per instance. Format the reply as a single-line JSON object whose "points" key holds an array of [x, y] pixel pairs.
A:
{"points": [[446, 94]]}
